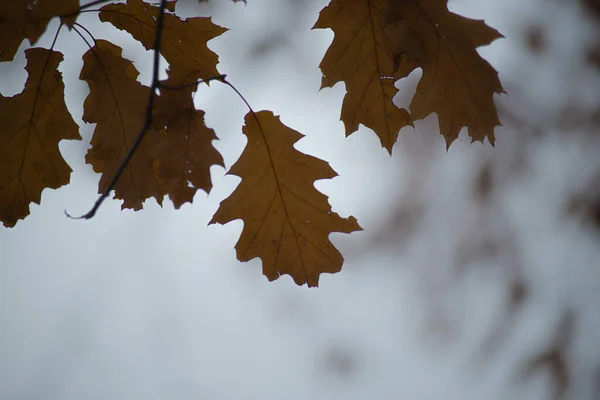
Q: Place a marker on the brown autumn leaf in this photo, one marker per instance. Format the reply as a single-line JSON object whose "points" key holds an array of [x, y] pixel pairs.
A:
{"points": [[33, 123], [287, 222], [20, 20], [175, 156], [380, 41]]}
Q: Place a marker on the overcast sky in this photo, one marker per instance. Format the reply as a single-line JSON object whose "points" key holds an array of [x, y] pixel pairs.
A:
{"points": [[153, 304]]}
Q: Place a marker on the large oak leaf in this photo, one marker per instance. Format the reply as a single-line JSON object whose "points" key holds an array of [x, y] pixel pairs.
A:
{"points": [[380, 41], [33, 123], [21, 19], [287, 222]]}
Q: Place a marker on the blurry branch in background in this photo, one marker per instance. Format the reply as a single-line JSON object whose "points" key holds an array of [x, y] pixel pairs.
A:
{"points": [[555, 358]]}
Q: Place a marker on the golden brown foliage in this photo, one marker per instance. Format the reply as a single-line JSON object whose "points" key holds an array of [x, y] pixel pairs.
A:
{"points": [[287, 222]]}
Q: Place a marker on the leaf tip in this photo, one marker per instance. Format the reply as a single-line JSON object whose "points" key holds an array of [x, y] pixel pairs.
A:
{"points": [[355, 225]]}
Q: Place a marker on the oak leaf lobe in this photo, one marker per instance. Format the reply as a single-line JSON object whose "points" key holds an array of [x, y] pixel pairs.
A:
{"points": [[287, 222]]}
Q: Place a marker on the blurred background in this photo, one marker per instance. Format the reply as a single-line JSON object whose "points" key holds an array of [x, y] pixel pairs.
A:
{"points": [[477, 275]]}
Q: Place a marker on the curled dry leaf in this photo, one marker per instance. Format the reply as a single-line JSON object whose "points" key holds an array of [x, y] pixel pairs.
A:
{"points": [[33, 123], [380, 41], [20, 20], [287, 222]]}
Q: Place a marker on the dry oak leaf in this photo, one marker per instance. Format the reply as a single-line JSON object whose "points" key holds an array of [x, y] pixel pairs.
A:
{"points": [[183, 41], [173, 160], [184, 153], [287, 222], [393, 38], [22, 19], [33, 123]]}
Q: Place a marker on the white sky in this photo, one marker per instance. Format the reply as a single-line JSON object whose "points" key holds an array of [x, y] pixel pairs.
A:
{"points": [[153, 304]]}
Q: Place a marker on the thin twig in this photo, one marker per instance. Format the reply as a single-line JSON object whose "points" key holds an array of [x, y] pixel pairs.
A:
{"points": [[148, 119], [78, 25]]}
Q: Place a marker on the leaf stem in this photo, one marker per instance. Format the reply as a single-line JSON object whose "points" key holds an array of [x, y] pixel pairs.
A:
{"points": [[225, 81], [78, 25]]}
